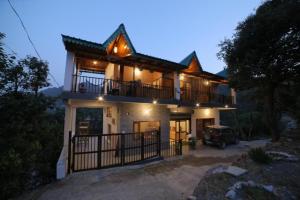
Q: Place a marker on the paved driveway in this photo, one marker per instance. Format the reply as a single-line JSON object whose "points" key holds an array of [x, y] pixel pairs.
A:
{"points": [[172, 179]]}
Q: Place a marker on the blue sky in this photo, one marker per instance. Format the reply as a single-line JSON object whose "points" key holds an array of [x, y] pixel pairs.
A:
{"points": [[170, 29]]}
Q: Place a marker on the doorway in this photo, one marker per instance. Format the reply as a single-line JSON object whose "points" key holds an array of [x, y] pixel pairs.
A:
{"points": [[200, 126], [180, 129]]}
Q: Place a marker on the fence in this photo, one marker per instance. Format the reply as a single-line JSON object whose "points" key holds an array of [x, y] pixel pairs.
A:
{"points": [[97, 151]]}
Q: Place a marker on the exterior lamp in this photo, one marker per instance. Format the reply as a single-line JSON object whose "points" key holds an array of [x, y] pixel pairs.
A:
{"points": [[226, 106], [100, 98], [125, 46], [197, 104], [154, 101], [206, 82], [95, 62], [115, 49]]}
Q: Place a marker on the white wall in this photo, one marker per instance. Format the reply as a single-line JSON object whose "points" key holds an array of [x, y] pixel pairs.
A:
{"points": [[109, 120], [130, 112], [69, 71], [203, 113]]}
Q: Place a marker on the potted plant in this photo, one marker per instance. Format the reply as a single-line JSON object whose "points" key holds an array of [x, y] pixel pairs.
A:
{"points": [[192, 143]]}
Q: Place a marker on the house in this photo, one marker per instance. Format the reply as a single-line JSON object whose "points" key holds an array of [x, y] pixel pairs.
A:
{"points": [[138, 92]]}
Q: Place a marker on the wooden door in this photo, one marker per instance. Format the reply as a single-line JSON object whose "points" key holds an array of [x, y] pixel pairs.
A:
{"points": [[201, 124]]}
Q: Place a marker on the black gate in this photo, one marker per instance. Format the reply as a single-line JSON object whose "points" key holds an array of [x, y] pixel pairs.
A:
{"points": [[96, 151]]}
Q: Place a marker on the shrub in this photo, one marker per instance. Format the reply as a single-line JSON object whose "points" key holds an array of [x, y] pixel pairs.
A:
{"points": [[259, 155]]}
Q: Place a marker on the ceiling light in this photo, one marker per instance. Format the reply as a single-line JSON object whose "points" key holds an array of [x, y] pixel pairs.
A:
{"points": [[95, 62]]}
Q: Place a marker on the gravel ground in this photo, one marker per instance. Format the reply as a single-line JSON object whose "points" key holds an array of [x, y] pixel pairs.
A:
{"points": [[172, 179], [283, 175]]}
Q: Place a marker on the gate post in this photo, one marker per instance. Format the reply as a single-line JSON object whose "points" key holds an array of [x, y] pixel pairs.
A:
{"points": [[180, 146], [69, 151], [122, 149], [158, 143], [142, 146], [99, 150]]}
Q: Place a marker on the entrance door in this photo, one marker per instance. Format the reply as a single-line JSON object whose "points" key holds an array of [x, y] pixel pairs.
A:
{"points": [[179, 129], [201, 124]]}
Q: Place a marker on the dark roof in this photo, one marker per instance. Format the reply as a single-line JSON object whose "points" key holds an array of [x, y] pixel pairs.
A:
{"points": [[76, 41], [223, 73], [178, 65]]}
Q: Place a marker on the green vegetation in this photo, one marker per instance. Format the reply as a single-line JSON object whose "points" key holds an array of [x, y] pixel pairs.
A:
{"points": [[260, 156], [262, 58], [31, 127]]}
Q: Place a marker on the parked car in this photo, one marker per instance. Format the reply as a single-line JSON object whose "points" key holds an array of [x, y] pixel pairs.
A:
{"points": [[220, 136]]}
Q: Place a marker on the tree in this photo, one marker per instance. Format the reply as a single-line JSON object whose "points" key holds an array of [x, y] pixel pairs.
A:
{"points": [[31, 127], [264, 54], [37, 72]]}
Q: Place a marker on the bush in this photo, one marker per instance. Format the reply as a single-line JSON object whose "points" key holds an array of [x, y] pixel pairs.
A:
{"points": [[259, 155]]}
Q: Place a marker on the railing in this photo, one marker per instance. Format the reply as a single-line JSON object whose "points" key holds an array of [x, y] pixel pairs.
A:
{"points": [[96, 151], [197, 96], [101, 86]]}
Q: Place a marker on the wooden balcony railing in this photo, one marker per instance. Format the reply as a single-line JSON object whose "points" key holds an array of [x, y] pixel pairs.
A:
{"points": [[101, 86], [197, 96]]}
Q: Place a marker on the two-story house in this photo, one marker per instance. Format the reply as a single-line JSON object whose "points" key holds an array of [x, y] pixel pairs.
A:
{"points": [[138, 92]]}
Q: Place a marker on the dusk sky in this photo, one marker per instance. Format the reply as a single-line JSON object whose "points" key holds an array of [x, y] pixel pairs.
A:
{"points": [[167, 29]]}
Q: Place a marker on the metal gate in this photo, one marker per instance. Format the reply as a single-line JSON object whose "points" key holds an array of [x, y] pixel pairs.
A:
{"points": [[96, 151]]}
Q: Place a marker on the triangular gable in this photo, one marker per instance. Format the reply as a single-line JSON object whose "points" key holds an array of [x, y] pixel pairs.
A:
{"points": [[119, 43], [192, 62]]}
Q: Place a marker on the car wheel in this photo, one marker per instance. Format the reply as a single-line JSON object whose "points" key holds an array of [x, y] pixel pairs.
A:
{"points": [[222, 145]]}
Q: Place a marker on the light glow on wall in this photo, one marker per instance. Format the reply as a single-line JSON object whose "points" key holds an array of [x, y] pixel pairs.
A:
{"points": [[147, 111], [181, 77], [207, 111], [137, 71]]}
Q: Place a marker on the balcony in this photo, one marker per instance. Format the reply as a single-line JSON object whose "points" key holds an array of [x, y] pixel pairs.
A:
{"points": [[196, 96], [102, 86]]}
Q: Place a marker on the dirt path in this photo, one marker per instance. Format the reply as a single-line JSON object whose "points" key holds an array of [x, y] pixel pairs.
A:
{"points": [[174, 179]]}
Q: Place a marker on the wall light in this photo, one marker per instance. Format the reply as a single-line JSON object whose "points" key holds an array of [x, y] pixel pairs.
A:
{"points": [[95, 62], [115, 49], [100, 98], [226, 106], [154, 101], [197, 104], [137, 71], [206, 82]]}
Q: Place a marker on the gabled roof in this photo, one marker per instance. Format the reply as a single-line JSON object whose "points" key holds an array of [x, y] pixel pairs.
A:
{"points": [[188, 60], [120, 30]]}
